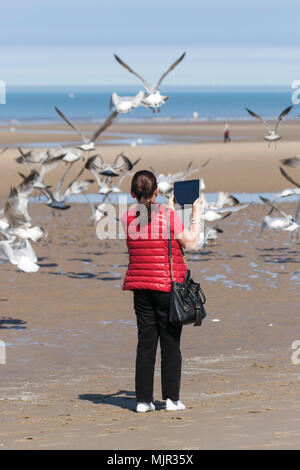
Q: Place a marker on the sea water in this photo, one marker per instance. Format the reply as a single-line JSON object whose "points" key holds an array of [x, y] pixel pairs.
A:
{"points": [[91, 103]]}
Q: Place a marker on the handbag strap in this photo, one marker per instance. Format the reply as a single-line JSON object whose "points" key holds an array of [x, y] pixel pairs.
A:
{"points": [[169, 242]]}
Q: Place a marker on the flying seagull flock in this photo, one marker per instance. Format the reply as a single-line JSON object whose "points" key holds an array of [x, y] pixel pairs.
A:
{"points": [[17, 231]]}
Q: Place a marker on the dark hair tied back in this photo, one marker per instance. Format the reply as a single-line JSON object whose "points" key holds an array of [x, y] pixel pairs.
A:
{"points": [[143, 186]]}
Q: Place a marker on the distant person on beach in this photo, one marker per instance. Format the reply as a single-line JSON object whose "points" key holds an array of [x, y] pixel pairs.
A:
{"points": [[149, 277], [227, 137]]}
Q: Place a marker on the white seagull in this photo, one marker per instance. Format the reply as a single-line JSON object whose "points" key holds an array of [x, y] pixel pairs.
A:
{"points": [[89, 144], [210, 233], [98, 211], [290, 192], [223, 199], [165, 183], [210, 215], [125, 104], [67, 154], [287, 193], [32, 157], [286, 222], [20, 255], [15, 223], [272, 136], [154, 99]]}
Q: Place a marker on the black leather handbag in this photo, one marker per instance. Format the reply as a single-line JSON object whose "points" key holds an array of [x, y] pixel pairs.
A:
{"points": [[186, 299]]}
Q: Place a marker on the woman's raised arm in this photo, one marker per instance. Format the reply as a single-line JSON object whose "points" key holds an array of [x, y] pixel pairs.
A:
{"points": [[189, 239]]}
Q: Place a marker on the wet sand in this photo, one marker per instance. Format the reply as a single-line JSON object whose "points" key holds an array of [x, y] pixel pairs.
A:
{"points": [[71, 333]]}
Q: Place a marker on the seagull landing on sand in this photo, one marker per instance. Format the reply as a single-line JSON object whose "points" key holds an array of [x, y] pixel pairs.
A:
{"points": [[125, 104], [272, 136], [89, 144], [154, 99]]}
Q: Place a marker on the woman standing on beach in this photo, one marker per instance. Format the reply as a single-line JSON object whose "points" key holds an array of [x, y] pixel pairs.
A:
{"points": [[149, 277]]}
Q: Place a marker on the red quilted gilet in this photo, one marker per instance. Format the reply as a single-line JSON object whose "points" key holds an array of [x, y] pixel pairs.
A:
{"points": [[149, 265]]}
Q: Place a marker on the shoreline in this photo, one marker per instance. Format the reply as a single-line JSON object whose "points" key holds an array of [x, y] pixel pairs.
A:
{"points": [[123, 133]]}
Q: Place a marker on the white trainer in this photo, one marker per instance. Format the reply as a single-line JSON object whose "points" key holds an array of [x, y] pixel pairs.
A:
{"points": [[174, 405], [144, 407]]}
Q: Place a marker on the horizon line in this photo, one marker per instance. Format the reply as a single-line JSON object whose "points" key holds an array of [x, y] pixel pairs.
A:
{"points": [[194, 85]]}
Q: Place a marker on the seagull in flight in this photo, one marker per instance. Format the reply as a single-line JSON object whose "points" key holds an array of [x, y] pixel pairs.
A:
{"points": [[53, 202], [20, 254], [272, 133], [67, 154], [123, 163], [286, 222], [209, 234], [33, 157], [223, 199], [125, 104], [210, 215], [154, 99], [288, 177], [293, 162], [165, 183], [289, 191], [98, 211], [15, 222], [89, 144]]}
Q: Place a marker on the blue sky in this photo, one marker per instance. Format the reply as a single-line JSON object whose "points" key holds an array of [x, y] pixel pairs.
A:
{"points": [[227, 42]]}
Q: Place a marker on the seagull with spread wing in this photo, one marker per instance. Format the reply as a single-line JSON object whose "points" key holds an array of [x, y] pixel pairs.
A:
{"points": [[272, 133], [125, 104], [154, 99], [286, 222], [165, 183], [293, 162], [289, 191], [89, 144], [288, 177], [211, 215], [20, 254]]}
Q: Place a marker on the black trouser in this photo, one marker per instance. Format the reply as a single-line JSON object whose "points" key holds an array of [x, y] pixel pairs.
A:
{"points": [[151, 308]]}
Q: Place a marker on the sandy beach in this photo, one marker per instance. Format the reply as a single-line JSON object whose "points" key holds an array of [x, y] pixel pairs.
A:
{"points": [[70, 330], [247, 164]]}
